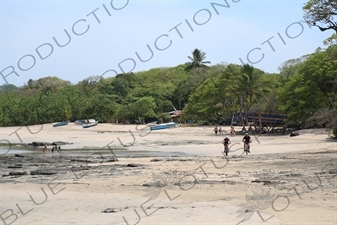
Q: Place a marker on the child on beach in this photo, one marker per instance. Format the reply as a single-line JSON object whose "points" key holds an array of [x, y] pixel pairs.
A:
{"points": [[45, 150], [216, 130], [220, 131]]}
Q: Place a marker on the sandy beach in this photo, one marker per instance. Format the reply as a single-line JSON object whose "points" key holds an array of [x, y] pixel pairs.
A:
{"points": [[127, 174]]}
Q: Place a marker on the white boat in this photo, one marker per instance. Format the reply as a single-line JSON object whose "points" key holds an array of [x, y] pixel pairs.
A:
{"points": [[87, 123]]}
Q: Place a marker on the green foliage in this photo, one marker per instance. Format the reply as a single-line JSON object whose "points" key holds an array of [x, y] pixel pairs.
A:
{"points": [[203, 102], [249, 87], [269, 103], [312, 88], [300, 98], [303, 87], [141, 109], [332, 40], [228, 90], [321, 13], [291, 66], [8, 87]]}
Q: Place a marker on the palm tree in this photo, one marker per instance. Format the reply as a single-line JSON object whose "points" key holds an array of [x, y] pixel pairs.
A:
{"points": [[197, 60], [249, 88], [67, 112]]}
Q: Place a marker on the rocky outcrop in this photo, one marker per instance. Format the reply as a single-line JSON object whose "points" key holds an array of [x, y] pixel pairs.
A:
{"points": [[18, 173], [37, 144], [42, 143], [42, 172], [61, 143]]}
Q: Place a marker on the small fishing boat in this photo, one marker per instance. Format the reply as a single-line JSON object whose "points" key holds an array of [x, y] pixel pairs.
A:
{"points": [[60, 124], [163, 126], [90, 123]]}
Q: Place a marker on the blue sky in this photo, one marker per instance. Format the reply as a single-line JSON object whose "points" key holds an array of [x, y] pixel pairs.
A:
{"points": [[126, 27]]}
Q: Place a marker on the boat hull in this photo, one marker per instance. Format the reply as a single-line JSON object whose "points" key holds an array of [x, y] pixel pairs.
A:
{"points": [[87, 125], [60, 124], [163, 126]]}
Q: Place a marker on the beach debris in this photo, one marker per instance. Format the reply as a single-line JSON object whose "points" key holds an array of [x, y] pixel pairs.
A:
{"points": [[109, 210], [17, 155]]}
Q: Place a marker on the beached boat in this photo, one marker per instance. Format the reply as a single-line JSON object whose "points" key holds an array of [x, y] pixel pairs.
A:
{"points": [[90, 123], [163, 126], [60, 124], [79, 122]]}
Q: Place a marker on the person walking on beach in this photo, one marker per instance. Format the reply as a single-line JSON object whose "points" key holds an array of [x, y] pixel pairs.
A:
{"points": [[216, 130], [232, 131], [250, 129], [244, 129], [220, 131]]}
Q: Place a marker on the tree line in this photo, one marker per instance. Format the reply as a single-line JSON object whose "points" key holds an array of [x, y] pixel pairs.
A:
{"points": [[305, 89]]}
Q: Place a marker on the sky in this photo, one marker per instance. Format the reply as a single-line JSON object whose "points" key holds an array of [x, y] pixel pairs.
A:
{"points": [[115, 36]]}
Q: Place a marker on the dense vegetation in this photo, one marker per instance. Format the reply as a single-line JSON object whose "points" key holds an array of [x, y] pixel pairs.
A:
{"points": [[305, 89]]}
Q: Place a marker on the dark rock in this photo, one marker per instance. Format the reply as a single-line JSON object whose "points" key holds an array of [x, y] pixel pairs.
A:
{"points": [[154, 184], [82, 160], [229, 182], [17, 155], [156, 160], [14, 167], [37, 144], [112, 160], [61, 143], [80, 168], [42, 172], [18, 173], [132, 165], [333, 171], [293, 134], [109, 210], [262, 181], [295, 175]]}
